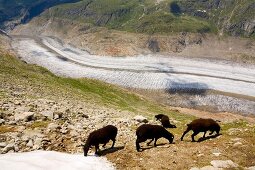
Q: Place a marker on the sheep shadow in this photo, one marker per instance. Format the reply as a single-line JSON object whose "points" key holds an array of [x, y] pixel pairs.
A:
{"points": [[110, 150], [208, 137], [152, 146]]}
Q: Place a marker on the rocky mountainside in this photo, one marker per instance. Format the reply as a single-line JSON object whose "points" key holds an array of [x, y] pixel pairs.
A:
{"points": [[233, 17], [14, 12]]}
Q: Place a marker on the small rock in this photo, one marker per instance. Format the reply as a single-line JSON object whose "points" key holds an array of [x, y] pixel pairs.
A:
{"points": [[3, 144], [48, 114], [64, 130], [25, 116], [216, 152], [223, 164], [194, 168], [237, 144], [9, 147], [53, 126], [2, 121], [140, 119], [199, 155], [37, 143], [209, 168], [73, 133], [58, 115], [250, 168], [30, 143]]}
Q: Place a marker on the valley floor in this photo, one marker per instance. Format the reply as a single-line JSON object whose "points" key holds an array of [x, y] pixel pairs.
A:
{"points": [[192, 78]]}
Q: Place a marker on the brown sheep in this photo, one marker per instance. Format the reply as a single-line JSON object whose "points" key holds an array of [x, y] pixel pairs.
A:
{"points": [[147, 131], [100, 136], [202, 125], [164, 119]]}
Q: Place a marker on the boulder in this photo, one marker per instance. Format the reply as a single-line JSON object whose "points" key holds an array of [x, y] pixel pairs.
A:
{"points": [[10, 146], [223, 164], [30, 143], [140, 119], [25, 116], [48, 114]]}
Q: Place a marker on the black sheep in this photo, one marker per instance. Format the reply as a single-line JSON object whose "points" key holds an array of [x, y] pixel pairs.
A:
{"points": [[202, 125], [100, 136], [147, 131], [164, 119]]}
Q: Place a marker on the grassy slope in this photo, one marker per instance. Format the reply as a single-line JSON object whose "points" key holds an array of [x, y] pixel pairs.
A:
{"points": [[39, 82], [131, 15]]}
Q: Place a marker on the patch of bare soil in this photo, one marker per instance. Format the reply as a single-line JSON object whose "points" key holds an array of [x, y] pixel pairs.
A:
{"points": [[186, 154]]}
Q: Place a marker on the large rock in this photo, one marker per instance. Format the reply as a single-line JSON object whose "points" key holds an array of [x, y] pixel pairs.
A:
{"points": [[48, 114], [140, 119], [206, 168], [10, 146], [250, 168], [224, 164], [26, 116]]}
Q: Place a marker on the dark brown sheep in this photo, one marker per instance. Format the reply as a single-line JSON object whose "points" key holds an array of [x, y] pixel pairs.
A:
{"points": [[202, 125], [100, 136], [164, 119], [147, 131]]}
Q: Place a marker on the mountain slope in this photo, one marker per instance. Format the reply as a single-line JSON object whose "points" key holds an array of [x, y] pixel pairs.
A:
{"points": [[233, 17], [14, 12]]}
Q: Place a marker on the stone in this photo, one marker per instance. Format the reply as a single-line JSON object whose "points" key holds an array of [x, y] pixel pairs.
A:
{"points": [[58, 115], [209, 168], [140, 119], [250, 168], [30, 143], [48, 114], [73, 133], [237, 144], [2, 121], [223, 164], [25, 116], [194, 168], [3, 144], [9, 147], [37, 143], [216, 152], [53, 126]]}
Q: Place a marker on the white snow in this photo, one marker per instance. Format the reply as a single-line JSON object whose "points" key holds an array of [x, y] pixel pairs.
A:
{"points": [[51, 160], [147, 72]]}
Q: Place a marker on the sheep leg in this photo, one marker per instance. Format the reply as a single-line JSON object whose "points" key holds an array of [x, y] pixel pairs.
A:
{"points": [[97, 149], [184, 133], [204, 134], [113, 142], [193, 135], [137, 145], [211, 133], [104, 145], [149, 142], [155, 143]]}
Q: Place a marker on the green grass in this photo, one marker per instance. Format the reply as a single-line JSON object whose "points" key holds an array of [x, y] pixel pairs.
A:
{"points": [[130, 15], [6, 129], [39, 82], [37, 124]]}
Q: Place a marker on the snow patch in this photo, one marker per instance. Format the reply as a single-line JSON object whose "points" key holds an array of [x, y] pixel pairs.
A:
{"points": [[51, 160]]}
